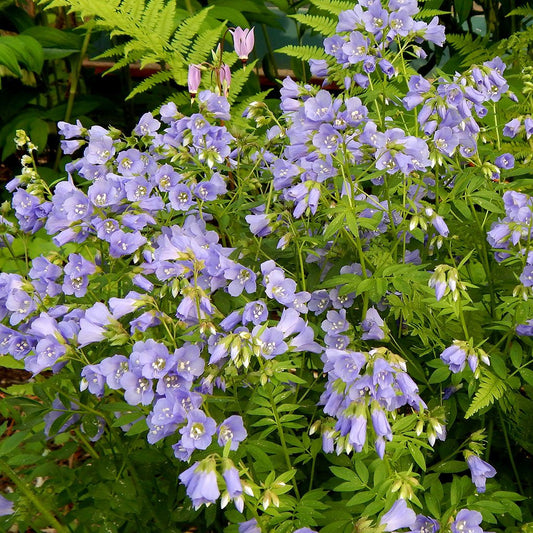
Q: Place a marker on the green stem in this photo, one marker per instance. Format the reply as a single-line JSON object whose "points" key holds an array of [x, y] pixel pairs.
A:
{"points": [[36, 502], [281, 434], [86, 444], [270, 50], [510, 452]]}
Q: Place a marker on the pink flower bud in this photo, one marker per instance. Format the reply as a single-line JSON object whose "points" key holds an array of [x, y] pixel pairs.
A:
{"points": [[224, 76], [193, 79]]}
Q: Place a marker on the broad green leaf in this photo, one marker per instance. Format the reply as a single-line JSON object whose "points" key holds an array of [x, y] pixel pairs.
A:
{"points": [[8, 58]]}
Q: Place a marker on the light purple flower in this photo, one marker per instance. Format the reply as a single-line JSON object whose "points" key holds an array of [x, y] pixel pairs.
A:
{"points": [[424, 524], [480, 470], [467, 521], [233, 487], [200, 481], [6, 506], [250, 526], [455, 357], [372, 326], [505, 161], [398, 516], [199, 430], [232, 429]]}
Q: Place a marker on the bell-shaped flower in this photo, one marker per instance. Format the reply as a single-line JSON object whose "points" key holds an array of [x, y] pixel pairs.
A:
{"points": [[243, 41]]}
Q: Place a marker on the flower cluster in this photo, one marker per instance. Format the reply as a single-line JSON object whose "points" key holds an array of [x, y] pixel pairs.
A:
{"points": [[511, 238], [459, 353], [366, 32], [362, 386], [449, 108]]}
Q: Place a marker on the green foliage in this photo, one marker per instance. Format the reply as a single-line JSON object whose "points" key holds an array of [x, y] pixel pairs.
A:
{"points": [[472, 49], [154, 31], [321, 24], [304, 52]]}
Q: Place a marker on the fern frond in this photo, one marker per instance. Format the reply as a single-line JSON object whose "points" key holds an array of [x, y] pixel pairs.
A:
{"points": [[167, 26], [333, 6], [150, 82], [491, 388], [132, 8], [111, 52], [151, 12], [187, 30], [203, 45], [429, 14], [522, 11], [474, 49], [120, 63], [238, 79], [323, 25], [305, 53]]}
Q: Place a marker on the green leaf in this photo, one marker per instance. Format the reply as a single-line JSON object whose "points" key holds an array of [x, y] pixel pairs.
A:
{"points": [[439, 375], [305, 53], [361, 469], [8, 361], [38, 132], [361, 497], [527, 375], [56, 44], [323, 25], [8, 444], [8, 58], [230, 14], [334, 7], [516, 354], [138, 427], [417, 455], [150, 82], [344, 473], [462, 9]]}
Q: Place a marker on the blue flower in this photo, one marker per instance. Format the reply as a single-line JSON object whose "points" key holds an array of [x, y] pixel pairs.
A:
{"points": [[250, 526], [6, 506], [398, 516], [200, 481], [467, 522], [480, 470], [232, 429], [199, 430]]}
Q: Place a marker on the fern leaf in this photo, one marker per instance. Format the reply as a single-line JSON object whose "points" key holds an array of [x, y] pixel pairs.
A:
{"points": [[491, 388], [120, 63], [131, 9], [151, 81], [151, 15], [204, 44], [111, 52], [305, 53], [187, 30], [523, 11], [430, 13], [323, 25], [238, 79], [474, 49], [167, 25], [333, 6]]}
